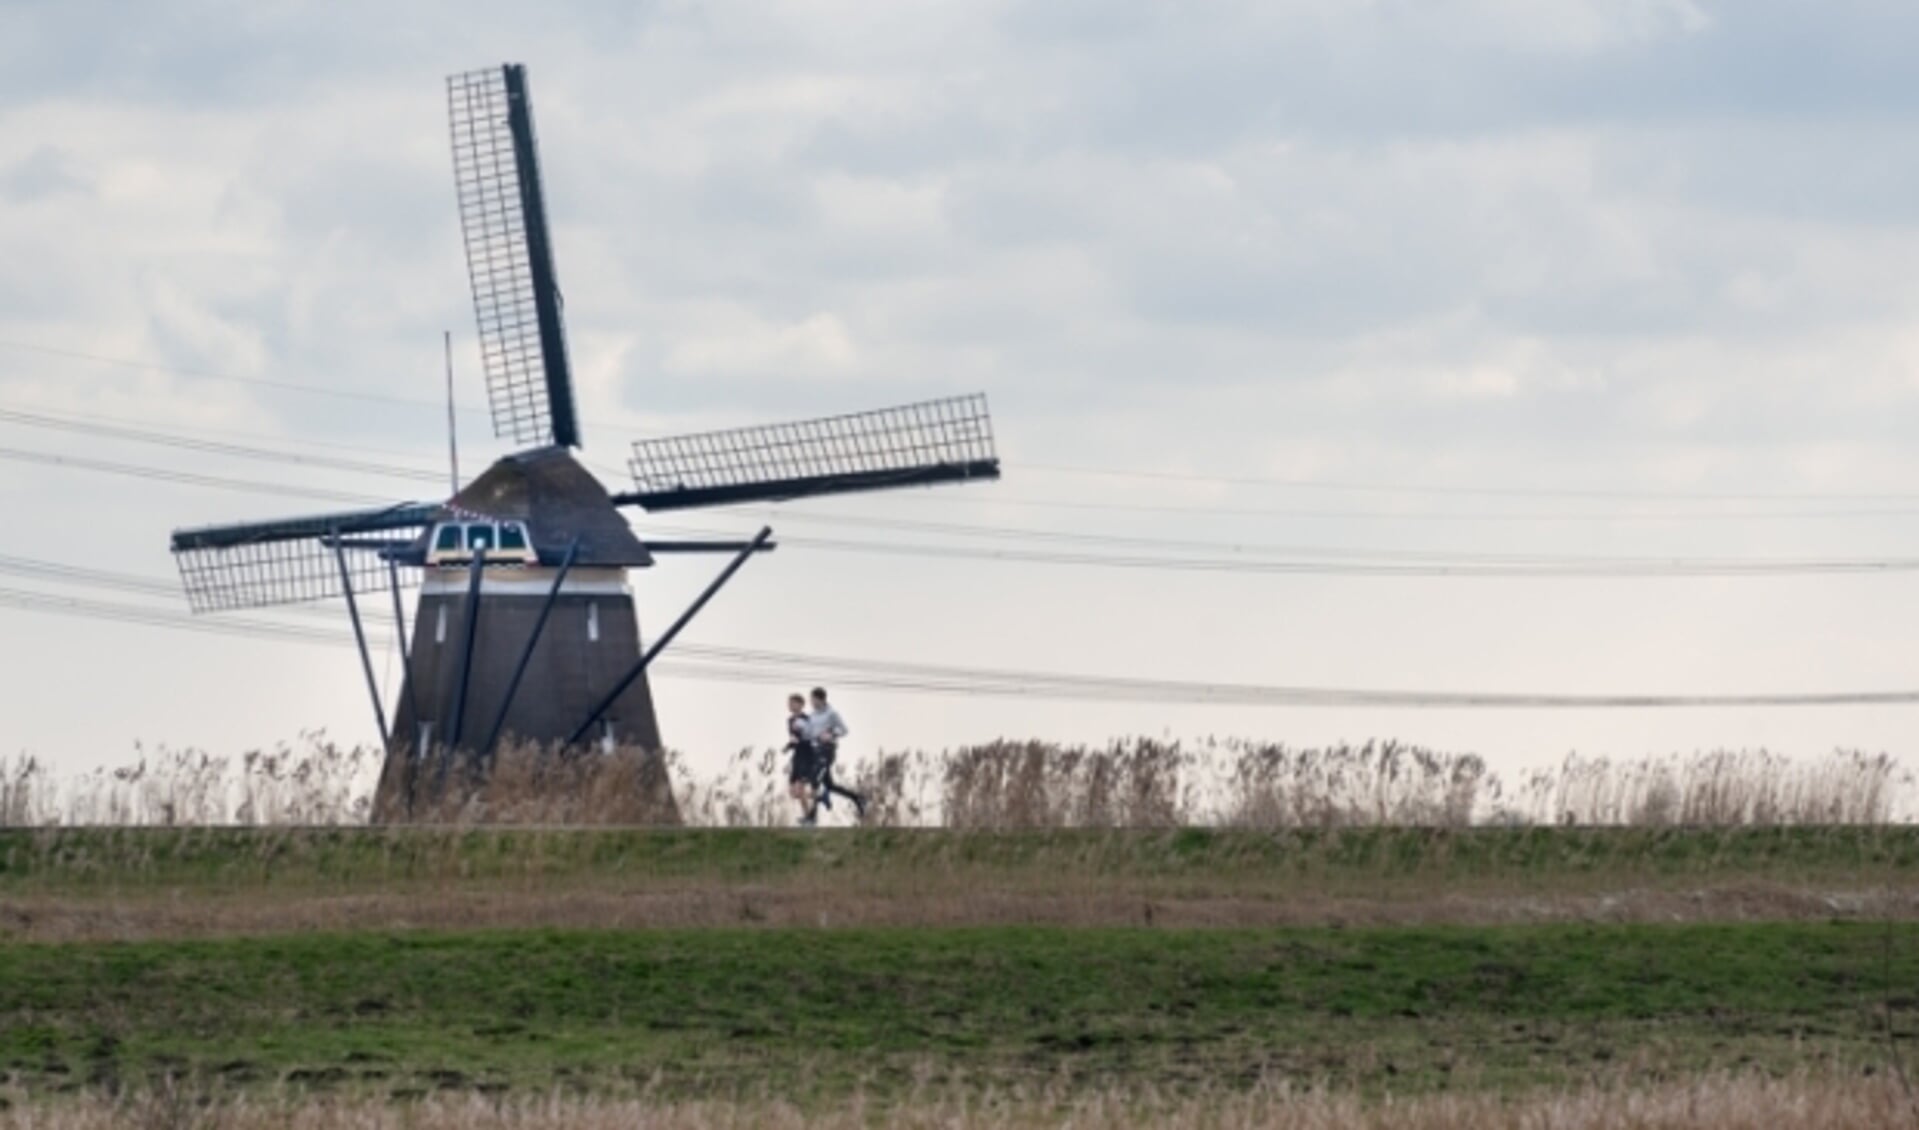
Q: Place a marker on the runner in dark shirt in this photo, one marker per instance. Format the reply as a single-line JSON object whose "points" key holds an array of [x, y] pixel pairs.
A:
{"points": [[803, 773]]}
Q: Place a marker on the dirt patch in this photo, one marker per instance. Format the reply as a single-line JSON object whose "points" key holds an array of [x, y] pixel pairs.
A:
{"points": [[129, 918]]}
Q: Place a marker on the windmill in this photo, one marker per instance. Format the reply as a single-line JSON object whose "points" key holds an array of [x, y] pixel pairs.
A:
{"points": [[525, 623]]}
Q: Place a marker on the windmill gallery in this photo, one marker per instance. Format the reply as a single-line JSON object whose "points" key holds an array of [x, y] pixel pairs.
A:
{"points": [[525, 625]]}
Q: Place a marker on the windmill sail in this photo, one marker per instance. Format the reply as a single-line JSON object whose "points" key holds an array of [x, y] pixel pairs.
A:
{"points": [[261, 564], [509, 257], [934, 441]]}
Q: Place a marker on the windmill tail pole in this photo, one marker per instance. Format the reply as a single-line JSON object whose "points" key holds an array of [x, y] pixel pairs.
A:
{"points": [[359, 635], [406, 653], [454, 728], [526, 654], [666, 637]]}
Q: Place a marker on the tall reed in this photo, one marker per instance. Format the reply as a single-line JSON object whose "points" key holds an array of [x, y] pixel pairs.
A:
{"points": [[1004, 784]]}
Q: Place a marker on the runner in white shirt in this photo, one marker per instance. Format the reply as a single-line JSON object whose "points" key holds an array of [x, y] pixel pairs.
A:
{"points": [[825, 728]]}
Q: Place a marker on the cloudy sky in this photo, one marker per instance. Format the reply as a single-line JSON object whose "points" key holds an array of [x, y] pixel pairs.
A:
{"points": [[1402, 279]]}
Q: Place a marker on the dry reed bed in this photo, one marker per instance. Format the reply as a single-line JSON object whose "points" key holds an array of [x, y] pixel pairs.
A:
{"points": [[1127, 783], [1712, 1103]]}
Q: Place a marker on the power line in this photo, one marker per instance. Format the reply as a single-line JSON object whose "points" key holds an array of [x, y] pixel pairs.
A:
{"points": [[413, 474], [1066, 469], [57, 573], [1049, 687], [1544, 568], [110, 427], [1497, 492], [744, 665], [207, 374], [1363, 563], [470, 412], [191, 430], [151, 473], [1246, 557], [27, 600], [1190, 510], [202, 430], [212, 447], [1236, 548]]}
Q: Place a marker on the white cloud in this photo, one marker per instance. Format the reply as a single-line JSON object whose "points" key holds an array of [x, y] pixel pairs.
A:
{"points": [[1598, 244], [734, 343]]}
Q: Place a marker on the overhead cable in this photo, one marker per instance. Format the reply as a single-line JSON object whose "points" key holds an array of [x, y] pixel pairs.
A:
{"points": [[213, 447], [735, 665], [188, 478], [1566, 569], [1489, 491], [1239, 549], [1295, 483]]}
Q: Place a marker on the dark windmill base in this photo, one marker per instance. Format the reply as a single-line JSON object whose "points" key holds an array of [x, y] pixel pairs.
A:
{"points": [[589, 641]]}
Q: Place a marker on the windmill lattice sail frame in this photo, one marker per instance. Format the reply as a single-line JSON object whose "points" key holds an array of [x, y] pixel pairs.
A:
{"points": [[932, 441], [229, 568], [509, 257]]}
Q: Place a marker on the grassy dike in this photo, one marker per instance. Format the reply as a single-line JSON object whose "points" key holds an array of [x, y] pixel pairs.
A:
{"points": [[729, 1012], [121, 862]]}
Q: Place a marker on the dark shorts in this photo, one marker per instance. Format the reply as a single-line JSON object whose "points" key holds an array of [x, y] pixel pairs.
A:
{"points": [[807, 765]]}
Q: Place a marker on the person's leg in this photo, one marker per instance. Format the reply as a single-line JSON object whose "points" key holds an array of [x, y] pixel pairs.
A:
{"points": [[806, 767], [824, 782], [858, 799], [799, 781], [829, 786]]}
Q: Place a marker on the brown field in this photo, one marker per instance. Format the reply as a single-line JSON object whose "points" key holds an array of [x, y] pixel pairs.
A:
{"points": [[1737, 1102], [136, 917]]}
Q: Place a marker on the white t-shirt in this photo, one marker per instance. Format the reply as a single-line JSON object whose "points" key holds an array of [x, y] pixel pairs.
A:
{"points": [[825, 724]]}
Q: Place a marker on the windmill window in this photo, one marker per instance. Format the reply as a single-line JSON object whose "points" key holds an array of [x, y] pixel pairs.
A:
{"points": [[512, 535]]}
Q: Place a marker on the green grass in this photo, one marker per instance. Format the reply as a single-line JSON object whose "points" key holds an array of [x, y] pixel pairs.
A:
{"points": [[70, 862], [732, 1011]]}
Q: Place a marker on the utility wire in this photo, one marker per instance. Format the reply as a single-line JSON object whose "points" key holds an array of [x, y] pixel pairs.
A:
{"points": [[1197, 509], [1069, 469], [1496, 492], [1248, 549], [27, 600], [209, 375], [1568, 568], [160, 474], [1244, 557], [742, 665], [109, 427], [52, 572], [1364, 563], [200, 430], [212, 447], [1201, 694]]}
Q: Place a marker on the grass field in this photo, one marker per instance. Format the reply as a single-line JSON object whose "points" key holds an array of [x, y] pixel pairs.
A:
{"points": [[1386, 976], [718, 1013]]}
